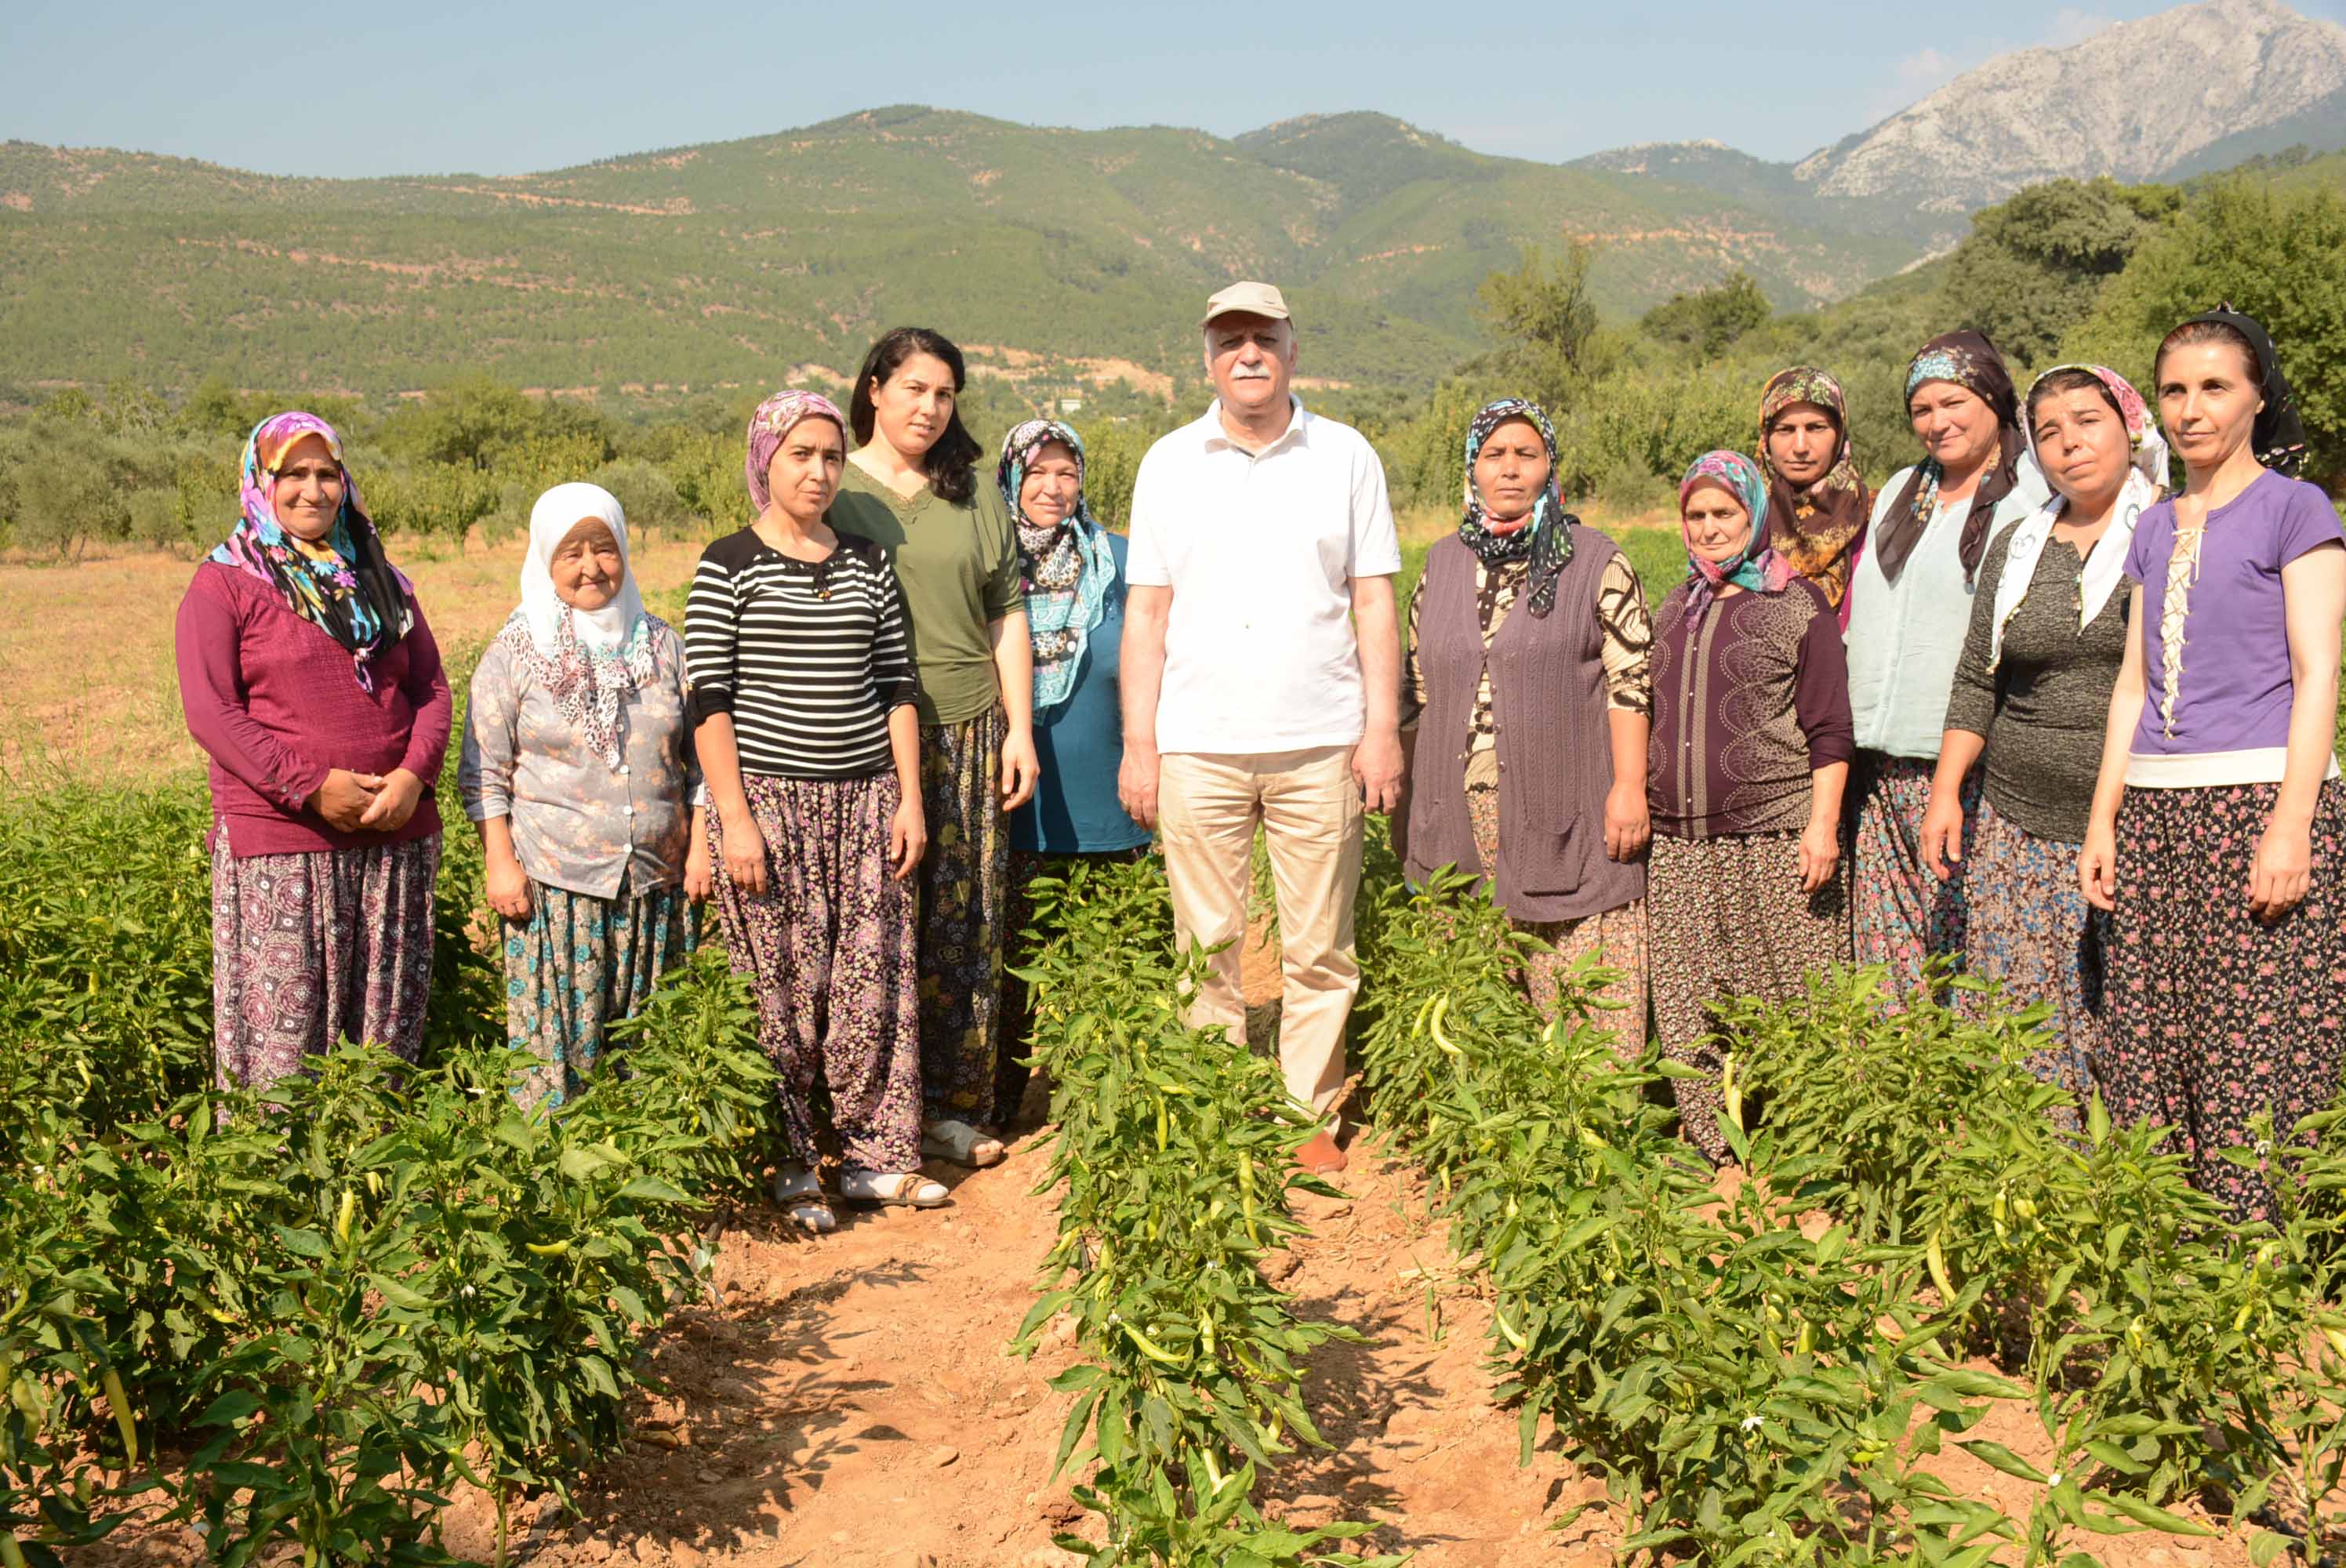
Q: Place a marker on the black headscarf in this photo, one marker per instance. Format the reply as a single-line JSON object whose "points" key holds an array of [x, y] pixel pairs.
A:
{"points": [[2280, 435], [1968, 361], [1545, 539]]}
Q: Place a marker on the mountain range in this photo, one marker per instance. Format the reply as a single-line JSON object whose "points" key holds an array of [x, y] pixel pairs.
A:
{"points": [[1059, 256], [2189, 91]]}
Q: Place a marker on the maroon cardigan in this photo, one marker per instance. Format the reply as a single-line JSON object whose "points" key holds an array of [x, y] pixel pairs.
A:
{"points": [[274, 700]]}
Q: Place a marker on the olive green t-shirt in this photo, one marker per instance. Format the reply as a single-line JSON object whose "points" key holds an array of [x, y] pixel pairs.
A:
{"points": [[959, 569]]}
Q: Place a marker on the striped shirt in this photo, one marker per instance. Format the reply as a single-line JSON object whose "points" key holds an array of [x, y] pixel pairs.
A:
{"points": [[808, 657]]}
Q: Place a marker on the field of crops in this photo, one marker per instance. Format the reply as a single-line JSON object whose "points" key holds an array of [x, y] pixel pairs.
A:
{"points": [[1763, 1371], [316, 1330]]}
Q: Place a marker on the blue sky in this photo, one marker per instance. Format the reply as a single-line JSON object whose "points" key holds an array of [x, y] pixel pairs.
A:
{"points": [[430, 87]]}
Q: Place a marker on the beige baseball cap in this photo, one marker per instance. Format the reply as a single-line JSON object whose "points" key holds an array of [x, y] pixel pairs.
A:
{"points": [[1251, 299]]}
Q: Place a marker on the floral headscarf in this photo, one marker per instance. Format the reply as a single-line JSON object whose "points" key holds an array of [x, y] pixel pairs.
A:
{"points": [[1067, 567], [775, 418], [357, 597], [1968, 361], [1545, 537], [1821, 528], [586, 660], [2104, 568], [1756, 567]]}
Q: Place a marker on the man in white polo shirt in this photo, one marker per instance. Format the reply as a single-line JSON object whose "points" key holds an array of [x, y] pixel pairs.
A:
{"points": [[1261, 666]]}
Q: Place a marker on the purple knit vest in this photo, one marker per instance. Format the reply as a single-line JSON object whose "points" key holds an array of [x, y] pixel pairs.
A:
{"points": [[1555, 748]]}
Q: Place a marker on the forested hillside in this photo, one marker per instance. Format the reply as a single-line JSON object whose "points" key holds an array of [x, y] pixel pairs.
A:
{"points": [[2061, 270], [733, 264]]}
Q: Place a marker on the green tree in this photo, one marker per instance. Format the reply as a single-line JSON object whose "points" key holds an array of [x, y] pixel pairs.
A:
{"points": [[473, 419], [2282, 257], [2030, 269], [1545, 317], [1708, 321]]}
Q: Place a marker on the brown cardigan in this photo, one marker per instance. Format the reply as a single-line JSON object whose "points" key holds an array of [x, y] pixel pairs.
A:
{"points": [[1554, 742]]}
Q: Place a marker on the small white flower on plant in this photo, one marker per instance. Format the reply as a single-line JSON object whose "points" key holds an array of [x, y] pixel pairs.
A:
{"points": [[2053, 1480], [1751, 1423]]}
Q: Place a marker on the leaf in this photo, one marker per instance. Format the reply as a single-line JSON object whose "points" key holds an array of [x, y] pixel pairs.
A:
{"points": [[1978, 1385], [301, 1243], [398, 1295], [229, 1408], [1072, 1433], [655, 1189], [2143, 1513], [2117, 1458], [1995, 1456]]}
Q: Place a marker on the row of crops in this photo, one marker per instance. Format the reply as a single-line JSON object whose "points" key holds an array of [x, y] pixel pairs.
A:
{"points": [[294, 1327], [1774, 1369], [329, 1309]]}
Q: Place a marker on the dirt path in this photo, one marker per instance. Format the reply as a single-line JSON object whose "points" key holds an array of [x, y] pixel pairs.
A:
{"points": [[851, 1402]]}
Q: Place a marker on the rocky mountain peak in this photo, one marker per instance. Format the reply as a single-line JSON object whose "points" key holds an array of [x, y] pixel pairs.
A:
{"points": [[2134, 101]]}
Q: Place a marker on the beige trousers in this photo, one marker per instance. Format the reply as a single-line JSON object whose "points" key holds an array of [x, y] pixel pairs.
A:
{"points": [[1310, 810]]}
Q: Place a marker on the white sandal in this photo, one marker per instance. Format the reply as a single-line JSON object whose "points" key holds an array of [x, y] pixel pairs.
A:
{"points": [[961, 1144], [798, 1194], [893, 1190]]}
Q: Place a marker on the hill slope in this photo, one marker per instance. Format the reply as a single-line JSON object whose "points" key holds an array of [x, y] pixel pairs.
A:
{"points": [[733, 262]]}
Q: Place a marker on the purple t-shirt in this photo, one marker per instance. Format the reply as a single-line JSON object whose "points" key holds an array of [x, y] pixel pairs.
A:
{"points": [[2235, 687]]}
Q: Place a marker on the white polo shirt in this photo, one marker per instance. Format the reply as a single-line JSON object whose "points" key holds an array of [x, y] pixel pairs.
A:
{"points": [[1260, 550]]}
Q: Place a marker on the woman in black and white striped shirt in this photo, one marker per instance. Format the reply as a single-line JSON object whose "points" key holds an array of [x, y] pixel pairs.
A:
{"points": [[803, 703]]}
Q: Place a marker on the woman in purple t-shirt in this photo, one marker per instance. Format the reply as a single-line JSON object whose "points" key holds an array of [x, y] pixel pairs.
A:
{"points": [[2218, 820]]}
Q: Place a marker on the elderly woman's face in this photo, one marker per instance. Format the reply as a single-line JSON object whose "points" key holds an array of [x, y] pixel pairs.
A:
{"points": [[1801, 443], [1954, 423], [1051, 487], [588, 568], [306, 490], [1511, 470], [1717, 523]]}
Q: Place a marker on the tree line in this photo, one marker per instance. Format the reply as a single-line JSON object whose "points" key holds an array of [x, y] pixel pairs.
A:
{"points": [[2065, 270]]}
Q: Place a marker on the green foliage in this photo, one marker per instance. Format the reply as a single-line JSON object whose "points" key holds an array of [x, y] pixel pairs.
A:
{"points": [[2278, 255], [1739, 1380], [1173, 1159], [1708, 321], [726, 264], [1546, 321], [2032, 266], [336, 1300]]}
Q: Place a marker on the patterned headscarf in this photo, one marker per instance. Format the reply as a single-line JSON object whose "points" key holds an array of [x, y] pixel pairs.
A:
{"points": [[1970, 360], [1543, 538], [2104, 566], [1756, 567], [357, 597], [2280, 434], [588, 660], [775, 419], [1821, 528], [1065, 566]]}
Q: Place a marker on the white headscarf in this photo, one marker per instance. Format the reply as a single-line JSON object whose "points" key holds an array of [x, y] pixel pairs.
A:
{"points": [[557, 512], [588, 660], [2106, 564]]}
